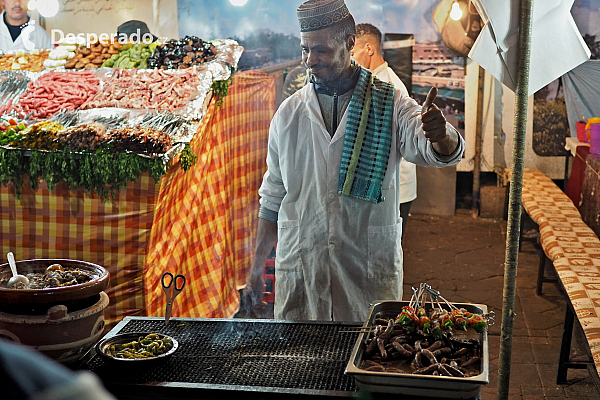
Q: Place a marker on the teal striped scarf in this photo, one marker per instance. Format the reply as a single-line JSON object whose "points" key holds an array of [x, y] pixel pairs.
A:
{"points": [[368, 139]]}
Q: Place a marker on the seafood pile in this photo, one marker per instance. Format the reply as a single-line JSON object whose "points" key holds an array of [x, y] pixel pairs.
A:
{"points": [[174, 125], [40, 136], [55, 91], [66, 118], [92, 135], [426, 339], [140, 140], [112, 121], [150, 135], [55, 276], [390, 348], [146, 89], [12, 86], [183, 53], [88, 136]]}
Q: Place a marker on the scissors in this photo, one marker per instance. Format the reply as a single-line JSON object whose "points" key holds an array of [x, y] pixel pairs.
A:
{"points": [[171, 291]]}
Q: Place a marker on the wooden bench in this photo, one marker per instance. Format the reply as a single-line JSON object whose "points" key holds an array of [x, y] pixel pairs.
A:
{"points": [[574, 251]]}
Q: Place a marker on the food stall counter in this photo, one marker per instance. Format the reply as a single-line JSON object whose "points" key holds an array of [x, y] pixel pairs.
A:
{"points": [[150, 226], [222, 358]]}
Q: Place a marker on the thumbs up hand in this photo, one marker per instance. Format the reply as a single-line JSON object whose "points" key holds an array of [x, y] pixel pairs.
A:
{"points": [[430, 99], [434, 123]]}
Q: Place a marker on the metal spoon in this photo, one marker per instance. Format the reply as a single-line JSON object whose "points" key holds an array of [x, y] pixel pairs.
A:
{"points": [[16, 278]]}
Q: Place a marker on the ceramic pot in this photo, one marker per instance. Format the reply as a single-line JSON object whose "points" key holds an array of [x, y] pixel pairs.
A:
{"points": [[52, 295], [61, 333]]}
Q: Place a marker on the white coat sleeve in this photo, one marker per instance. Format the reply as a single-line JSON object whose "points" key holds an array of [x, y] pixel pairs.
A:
{"points": [[411, 140], [272, 190]]}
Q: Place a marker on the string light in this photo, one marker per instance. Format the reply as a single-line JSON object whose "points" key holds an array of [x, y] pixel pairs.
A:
{"points": [[47, 8], [456, 12]]}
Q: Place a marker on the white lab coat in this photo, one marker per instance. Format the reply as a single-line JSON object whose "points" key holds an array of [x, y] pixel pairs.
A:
{"points": [[39, 37], [408, 171], [335, 254]]}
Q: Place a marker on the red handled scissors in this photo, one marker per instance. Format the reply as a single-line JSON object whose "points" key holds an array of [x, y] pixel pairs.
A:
{"points": [[172, 289]]}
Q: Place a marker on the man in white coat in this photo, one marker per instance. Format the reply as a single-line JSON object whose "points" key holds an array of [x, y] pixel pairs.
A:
{"points": [[367, 53], [18, 31], [331, 191]]}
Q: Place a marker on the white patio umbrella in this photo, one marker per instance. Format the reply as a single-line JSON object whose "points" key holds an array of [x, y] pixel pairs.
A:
{"points": [[519, 38]]}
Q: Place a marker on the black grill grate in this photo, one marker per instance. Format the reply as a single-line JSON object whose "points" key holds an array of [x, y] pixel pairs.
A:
{"points": [[310, 356]]}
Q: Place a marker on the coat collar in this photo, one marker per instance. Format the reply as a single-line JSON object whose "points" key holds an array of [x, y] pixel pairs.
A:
{"points": [[342, 86], [312, 110], [380, 68], [4, 29]]}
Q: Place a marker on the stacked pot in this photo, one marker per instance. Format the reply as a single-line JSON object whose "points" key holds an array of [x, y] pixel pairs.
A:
{"points": [[62, 322]]}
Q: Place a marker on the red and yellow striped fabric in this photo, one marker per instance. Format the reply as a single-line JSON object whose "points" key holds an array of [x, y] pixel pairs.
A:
{"points": [[205, 220], [77, 225]]}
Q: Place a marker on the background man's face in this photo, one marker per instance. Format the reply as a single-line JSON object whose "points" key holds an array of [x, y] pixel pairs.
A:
{"points": [[16, 10], [323, 55], [360, 52]]}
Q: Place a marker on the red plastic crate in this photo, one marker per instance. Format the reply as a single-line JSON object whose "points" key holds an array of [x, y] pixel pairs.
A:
{"points": [[270, 289], [269, 296]]}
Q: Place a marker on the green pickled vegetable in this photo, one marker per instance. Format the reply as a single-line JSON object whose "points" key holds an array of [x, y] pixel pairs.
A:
{"points": [[148, 346]]}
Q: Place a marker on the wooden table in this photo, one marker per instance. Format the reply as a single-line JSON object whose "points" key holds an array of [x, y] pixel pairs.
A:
{"points": [[572, 143]]}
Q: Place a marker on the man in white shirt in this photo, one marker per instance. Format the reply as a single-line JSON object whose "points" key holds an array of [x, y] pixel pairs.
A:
{"points": [[330, 195], [367, 53], [18, 31]]}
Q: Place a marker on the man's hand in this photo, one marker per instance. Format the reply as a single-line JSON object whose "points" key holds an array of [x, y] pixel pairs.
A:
{"points": [[434, 126], [254, 292]]}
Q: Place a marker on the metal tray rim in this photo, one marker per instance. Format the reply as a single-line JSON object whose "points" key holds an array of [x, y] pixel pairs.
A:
{"points": [[399, 380]]}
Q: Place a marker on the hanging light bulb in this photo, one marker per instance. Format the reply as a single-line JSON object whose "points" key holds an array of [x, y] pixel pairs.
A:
{"points": [[456, 12], [48, 8]]}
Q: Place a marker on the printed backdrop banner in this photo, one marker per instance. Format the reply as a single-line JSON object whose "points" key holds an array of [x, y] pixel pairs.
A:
{"points": [[205, 220]]}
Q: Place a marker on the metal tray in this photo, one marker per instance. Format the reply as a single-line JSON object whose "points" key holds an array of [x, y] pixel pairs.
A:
{"points": [[416, 385]]}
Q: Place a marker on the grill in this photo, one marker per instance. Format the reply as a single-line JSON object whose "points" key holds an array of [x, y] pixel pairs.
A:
{"points": [[254, 355]]}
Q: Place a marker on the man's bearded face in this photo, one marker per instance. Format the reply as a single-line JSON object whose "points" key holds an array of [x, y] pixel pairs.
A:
{"points": [[325, 57]]}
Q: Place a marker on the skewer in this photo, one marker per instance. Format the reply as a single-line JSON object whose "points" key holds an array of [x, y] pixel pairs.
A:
{"points": [[364, 329], [414, 300], [436, 297], [420, 299]]}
